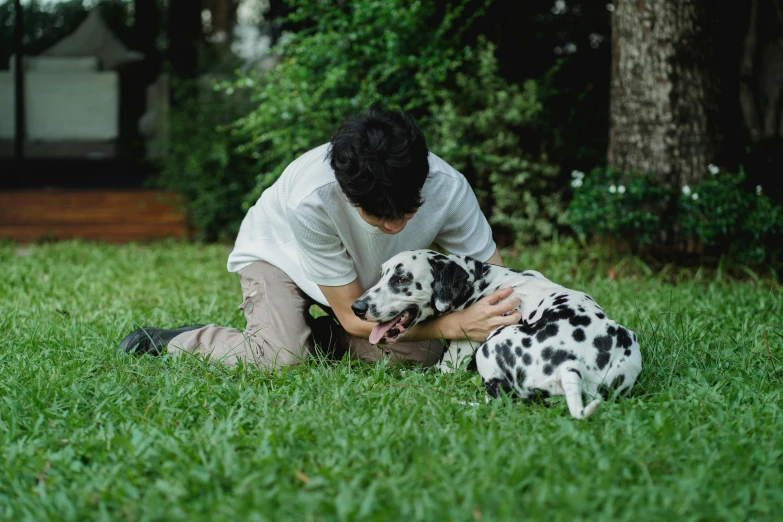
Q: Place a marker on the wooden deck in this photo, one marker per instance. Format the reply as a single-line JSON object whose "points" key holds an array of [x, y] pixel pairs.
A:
{"points": [[115, 216]]}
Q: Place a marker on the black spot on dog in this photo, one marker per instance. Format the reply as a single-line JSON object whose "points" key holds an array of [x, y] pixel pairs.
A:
{"points": [[547, 352], [483, 285], [495, 386], [496, 332], [627, 353], [603, 343], [539, 304], [504, 355], [560, 301], [600, 315], [527, 342], [548, 369], [579, 335], [532, 314], [575, 371], [558, 357], [612, 388], [418, 285], [527, 359], [611, 330], [485, 350], [518, 351], [377, 290], [623, 339], [580, 320], [549, 331], [602, 360]]}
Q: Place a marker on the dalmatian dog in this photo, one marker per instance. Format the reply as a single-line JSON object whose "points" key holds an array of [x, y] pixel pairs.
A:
{"points": [[564, 344]]}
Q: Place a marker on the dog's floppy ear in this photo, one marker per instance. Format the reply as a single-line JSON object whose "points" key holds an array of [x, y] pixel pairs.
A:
{"points": [[451, 281]]}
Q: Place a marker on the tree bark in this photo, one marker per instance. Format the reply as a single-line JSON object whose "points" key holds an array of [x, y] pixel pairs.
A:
{"points": [[663, 109]]}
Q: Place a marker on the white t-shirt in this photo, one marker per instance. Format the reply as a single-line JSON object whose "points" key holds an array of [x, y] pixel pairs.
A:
{"points": [[305, 225]]}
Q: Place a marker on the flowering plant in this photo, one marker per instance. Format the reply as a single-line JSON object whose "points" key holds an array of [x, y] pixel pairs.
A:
{"points": [[627, 206], [723, 214], [720, 212]]}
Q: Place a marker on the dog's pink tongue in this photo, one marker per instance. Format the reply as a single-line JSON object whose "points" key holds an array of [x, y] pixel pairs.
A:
{"points": [[379, 330]]}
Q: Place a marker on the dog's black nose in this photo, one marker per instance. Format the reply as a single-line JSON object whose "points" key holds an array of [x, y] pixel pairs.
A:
{"points": [[359, 307]]}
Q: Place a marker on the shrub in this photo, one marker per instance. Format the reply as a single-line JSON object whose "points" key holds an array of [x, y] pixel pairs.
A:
{"points": [[410, 56], [392, 50], [201, 163], [413, 56], [724, 216], [476, 125], [627, 207], [718, 213]]}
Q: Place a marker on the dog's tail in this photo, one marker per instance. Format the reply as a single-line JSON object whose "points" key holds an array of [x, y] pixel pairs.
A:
{"points": [[571, 380]]}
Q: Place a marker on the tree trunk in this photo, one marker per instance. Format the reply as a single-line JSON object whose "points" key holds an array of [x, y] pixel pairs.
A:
{"points": [[184, 36], [663, 109]]}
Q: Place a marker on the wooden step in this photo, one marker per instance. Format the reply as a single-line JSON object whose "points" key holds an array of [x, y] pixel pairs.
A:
{"points": [[116, 216]]}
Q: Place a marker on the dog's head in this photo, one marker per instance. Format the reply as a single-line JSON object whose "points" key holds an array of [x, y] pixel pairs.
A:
{"points": [[415, 285]]}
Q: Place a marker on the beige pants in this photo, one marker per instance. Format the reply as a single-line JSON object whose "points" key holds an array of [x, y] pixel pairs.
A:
{"points": [[280, 330]]}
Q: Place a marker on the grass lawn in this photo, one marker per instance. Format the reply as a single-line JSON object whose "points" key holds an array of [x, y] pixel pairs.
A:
{"points": [[88, 433]]}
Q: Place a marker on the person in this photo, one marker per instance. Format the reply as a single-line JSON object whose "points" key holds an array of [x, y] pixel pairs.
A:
{"points": [[319, 235]]}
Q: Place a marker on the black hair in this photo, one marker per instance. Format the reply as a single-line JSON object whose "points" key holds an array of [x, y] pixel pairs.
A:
{"points": [[380, 161]]}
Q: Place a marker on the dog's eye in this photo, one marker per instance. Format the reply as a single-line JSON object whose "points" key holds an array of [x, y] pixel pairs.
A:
{"points": [[397, 280]]}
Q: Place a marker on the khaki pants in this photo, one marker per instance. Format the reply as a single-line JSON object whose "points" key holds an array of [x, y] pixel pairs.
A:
{"points": [[280, 330]]}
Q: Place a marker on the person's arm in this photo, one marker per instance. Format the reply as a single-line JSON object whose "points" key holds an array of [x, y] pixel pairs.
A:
{"points": [[476, 322], [495, 259]]}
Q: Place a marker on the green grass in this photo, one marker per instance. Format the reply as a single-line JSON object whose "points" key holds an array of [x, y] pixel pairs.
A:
{"points": [[88, 433]]}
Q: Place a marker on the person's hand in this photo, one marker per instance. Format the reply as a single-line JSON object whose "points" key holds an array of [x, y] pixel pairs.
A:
{"points": [[482, 317]]}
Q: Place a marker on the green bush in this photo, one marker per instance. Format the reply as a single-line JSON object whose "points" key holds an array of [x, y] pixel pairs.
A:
{"points": [[722, 214], [202, 165], [476, 126], [413, 56], [718, 213], [627, 206], [395, 51], [410, 56]]}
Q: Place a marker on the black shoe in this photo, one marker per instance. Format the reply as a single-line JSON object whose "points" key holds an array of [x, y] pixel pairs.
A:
{"points": [[152, 340]]}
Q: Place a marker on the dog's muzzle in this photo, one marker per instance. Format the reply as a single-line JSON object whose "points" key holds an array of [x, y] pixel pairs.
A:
{"points": [[360, 308]]}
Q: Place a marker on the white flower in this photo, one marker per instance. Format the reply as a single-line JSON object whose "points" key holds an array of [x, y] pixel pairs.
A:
{"points": [[609, 7], [758, 190], [577, 174], [621, 189], [612, 189], [576, 183], [686, 190], [695, 196], [713, 169]]}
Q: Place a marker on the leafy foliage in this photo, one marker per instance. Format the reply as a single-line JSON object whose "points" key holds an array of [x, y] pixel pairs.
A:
{"points": [[722, 214], [201, 164], [623, 206], [347, 58], [476, 126], [719, 213], [411, 57]]}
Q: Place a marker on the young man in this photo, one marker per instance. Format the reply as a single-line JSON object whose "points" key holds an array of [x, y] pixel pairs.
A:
{"points": [[320, 234]]}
